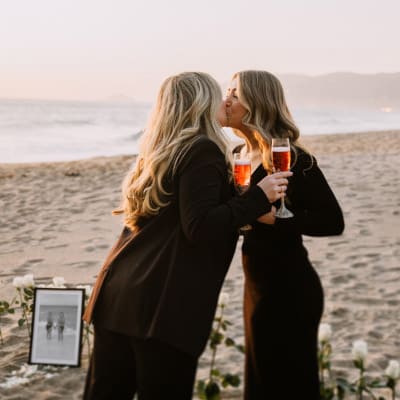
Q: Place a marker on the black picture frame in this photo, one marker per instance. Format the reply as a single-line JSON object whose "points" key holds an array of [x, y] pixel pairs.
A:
{"points": [[56, 337]]}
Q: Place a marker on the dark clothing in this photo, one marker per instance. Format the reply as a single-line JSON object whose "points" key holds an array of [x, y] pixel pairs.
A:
{"points": [[283, 299], [163, 282], [122, 366]]}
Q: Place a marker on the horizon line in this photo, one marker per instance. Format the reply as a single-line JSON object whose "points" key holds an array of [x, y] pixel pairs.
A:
{"points": [[122, 98]]}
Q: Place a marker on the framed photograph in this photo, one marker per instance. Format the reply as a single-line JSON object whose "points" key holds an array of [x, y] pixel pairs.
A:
{"points": [[57, 327]]}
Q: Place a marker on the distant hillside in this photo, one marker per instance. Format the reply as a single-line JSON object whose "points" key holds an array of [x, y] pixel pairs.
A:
{"points": [[343, 90]]}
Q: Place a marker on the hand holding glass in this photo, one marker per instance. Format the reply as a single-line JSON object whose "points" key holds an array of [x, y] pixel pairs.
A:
{"points": [[281, 162]]}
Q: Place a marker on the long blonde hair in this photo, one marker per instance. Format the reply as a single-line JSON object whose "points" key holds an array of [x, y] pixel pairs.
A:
{"points": [[185, 110], [268, 115]]}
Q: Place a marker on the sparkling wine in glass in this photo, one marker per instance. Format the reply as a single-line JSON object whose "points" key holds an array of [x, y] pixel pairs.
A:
{"points": [[281, 162], [242, 176], [242, 171]]}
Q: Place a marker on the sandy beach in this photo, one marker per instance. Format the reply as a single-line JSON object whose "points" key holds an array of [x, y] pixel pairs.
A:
{"points": [[55, 220]]}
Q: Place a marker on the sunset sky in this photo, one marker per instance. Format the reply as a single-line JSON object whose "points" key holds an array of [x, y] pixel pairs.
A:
{"points": [[93, 49]]}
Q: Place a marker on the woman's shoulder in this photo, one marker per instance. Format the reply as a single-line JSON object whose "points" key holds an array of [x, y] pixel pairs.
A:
{"points": [[303, 160], [201, 152], [302, 152], [203, 142], [203, 148]]}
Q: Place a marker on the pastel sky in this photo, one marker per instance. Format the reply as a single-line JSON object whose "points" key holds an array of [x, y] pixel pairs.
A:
{"points": [[93, 49]]}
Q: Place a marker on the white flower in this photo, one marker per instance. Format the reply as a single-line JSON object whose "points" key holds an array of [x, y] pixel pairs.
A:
{"points": [[223, 299], [20, 377], [18, 282], [360, 350], [88, 289], [59, 282], [28, 370], [14, 381], [393, 370], [324, 333], [28, 281]]}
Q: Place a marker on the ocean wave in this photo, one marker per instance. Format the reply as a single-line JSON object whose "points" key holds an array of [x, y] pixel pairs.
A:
{"points": [[37, 131]]}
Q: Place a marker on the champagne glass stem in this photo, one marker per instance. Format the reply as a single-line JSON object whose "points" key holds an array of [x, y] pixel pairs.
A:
{"points": [[283, 212], [282, 207]]}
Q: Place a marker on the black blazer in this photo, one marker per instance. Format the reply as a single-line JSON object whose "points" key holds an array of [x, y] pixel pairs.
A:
{"points": [[164, 281]]}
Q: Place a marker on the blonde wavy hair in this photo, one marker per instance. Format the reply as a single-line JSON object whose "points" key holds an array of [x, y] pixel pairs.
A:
{"points": [[186, 109], [268, 115]]}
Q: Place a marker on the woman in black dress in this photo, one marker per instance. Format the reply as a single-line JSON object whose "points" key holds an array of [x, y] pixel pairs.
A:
{"points": [[155, 297], [283, 297]]}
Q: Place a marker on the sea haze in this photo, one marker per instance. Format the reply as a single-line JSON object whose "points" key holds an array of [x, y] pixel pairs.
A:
{"points": [[34, 131]]}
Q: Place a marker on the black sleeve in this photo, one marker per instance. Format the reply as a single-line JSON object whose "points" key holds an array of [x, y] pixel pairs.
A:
{"points": [[316, 210], [203, 179]]}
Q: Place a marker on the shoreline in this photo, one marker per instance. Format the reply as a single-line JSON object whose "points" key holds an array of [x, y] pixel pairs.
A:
{"points": [[303, 138]]}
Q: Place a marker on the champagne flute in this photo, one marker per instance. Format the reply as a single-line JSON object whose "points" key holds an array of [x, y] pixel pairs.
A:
{"points": [[242, 176], [281, 162]]}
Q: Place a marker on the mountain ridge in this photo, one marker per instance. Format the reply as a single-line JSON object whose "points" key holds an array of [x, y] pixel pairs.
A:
{"points": [[343, 89]]}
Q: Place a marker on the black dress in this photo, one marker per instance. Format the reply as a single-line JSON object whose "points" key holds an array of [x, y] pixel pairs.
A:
{"points": [[283, 297]]}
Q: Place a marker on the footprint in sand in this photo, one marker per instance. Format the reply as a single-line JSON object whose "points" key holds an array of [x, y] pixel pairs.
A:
{"points": [[340, 311], [45, 238], [342, 279], [82, 264], [35, 260], [43, 279], [89, 248], [385, 315], [375, 334], [27, 265], [337, 243], [359, 265], [362, 220], [92, 248], [57, 246], [330, 256], [374, 212], [77, 210], [369, 301], [378, 270], [93, 198]]}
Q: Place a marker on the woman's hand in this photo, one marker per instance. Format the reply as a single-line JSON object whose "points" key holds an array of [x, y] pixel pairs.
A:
{"points": [[274, 186], [268, 218]]}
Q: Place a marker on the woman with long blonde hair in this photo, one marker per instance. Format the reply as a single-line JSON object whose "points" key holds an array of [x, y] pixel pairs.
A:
{"points": [[155, 297], [283, 296]]}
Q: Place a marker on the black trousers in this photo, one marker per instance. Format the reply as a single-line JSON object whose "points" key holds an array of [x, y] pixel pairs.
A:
{"points": [[122, 366]]}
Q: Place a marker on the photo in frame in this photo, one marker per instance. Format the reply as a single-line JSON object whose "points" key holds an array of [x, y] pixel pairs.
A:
{"points": [[57, 327]]}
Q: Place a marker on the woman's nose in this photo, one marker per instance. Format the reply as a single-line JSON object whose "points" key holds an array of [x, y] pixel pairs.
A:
{"points": [[227, 102]]}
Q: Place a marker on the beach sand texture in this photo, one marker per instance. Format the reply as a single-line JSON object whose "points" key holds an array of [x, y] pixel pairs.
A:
{"points": [[56, 221]]}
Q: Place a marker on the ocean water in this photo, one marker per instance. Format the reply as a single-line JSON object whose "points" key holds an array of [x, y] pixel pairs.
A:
{"points": [[36, 130]]}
